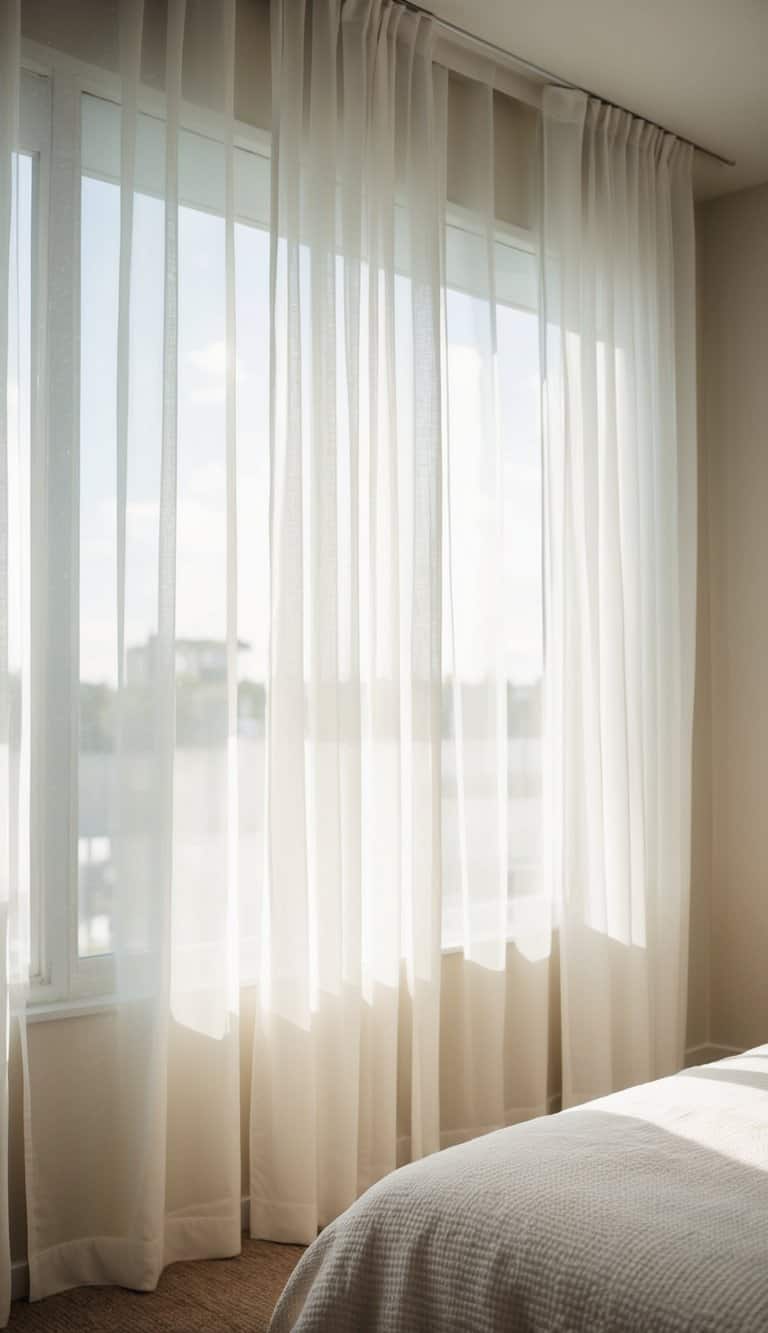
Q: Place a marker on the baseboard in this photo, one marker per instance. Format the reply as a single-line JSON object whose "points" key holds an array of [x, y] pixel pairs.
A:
{"points": [[705, 1053], [19, 1280]]}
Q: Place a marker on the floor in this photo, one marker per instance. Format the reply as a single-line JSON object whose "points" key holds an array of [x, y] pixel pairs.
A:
{"points": [[216, 1296]]}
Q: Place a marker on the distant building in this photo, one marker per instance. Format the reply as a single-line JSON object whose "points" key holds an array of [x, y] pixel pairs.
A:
{"points": [[198, 661]]}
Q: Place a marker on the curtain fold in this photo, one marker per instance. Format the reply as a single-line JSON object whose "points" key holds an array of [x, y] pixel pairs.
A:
{"points": [[618, 297], [353, 776], [133, 1152], [14, 611], [476, 646]]}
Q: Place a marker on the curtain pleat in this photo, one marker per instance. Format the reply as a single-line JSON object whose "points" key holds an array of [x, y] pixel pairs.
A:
{"points": [[143, 1167], [353, 834], [621, 552], [476, 627], [14, 613]]}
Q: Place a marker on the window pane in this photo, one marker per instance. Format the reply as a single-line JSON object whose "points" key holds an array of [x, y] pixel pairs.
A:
{"points": [[252, 306], [518, 344], [100, 255], [493, 586], [18, 389], [100, 252], [200, 776], [200, 773]]}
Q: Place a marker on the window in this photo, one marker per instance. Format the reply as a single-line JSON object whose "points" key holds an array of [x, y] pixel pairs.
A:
{"points": [[77, 911], [201, 718], [26, 350], [76, 646], [19, 475]]}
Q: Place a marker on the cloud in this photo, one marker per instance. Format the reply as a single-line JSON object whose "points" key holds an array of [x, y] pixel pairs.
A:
{"points": [[211, 359]]}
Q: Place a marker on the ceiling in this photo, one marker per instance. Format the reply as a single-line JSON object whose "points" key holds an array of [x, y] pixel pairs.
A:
{"points": [[698, 67]]}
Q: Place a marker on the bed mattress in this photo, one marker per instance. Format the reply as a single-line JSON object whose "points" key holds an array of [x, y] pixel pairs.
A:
{"points": [[644, 1212]]}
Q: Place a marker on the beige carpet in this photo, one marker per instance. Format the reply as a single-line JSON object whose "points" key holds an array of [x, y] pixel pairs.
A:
{"points": [[218, 1296]]}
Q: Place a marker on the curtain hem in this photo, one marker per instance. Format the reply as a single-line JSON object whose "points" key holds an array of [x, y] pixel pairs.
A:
{"points": [[108, 1261], [286, 1223]]}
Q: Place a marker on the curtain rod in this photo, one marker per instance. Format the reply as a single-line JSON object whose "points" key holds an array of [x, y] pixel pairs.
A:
{"points": [[548, 77]]}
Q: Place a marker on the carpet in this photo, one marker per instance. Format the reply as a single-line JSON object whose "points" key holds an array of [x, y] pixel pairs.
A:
{"points": [[210, 1296]]}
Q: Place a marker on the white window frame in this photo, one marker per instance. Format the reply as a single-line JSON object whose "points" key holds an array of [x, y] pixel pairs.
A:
{"points": [[62, 983]]}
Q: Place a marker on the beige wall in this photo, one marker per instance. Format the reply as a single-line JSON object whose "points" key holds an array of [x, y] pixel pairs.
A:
{"points": [[698, 1032], [731, 814]]}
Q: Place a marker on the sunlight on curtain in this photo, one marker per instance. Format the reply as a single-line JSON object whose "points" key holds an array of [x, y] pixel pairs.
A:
{"points": [[353, 832], [404, 772], [617, 251], [157, 811], [15, 197]]}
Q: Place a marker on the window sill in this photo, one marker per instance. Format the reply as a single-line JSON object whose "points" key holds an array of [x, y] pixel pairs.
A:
{"points": [[87, 1007], [525, 914]]}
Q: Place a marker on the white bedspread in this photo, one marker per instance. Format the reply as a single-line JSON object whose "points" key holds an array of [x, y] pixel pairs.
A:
{"points": [[645, 1212]]}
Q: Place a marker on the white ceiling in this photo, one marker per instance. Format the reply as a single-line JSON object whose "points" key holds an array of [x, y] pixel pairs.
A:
{"points": [[698, 67]]}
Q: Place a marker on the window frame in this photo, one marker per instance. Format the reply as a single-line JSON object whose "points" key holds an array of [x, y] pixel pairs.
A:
{"points": [[62, 983]]}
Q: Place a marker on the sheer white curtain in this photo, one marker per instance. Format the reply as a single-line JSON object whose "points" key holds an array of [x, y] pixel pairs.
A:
{"points": [[620, 463], [133, 1128], [281, 457], [14, 611], [405, 614], [495, 1010], [354, 748]]}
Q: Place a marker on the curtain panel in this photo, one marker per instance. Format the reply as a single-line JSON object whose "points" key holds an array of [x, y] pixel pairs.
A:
{"points": [[132, 1133], [620, 442], [353, 766], [347, 561], [14, 620]]}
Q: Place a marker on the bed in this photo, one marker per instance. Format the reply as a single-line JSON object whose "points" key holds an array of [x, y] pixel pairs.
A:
{"points": [[644, 1212]]}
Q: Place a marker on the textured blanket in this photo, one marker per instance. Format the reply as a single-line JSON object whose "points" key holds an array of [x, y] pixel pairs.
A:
{"points": [[645, 1212]]}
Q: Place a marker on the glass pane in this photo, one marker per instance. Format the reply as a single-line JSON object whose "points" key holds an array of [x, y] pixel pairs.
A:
{"points": [[200, 780], [201, 740], [100, 254], [478, 606], [518, 344], [15, 777], [252, 306]]}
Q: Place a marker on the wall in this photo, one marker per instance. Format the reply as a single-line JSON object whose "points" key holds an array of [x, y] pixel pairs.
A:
{"points": [[731, 808], [698, 1033]]}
